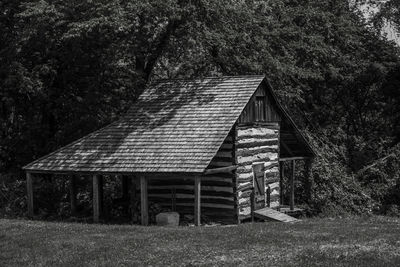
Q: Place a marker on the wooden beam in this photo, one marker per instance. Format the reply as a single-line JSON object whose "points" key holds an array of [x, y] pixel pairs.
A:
{"points": [[294, 158], [144, 205], [197, 200], [91, 173], [291, 203], [220, 170], [72, 193], [96, 198], [29, 189]]}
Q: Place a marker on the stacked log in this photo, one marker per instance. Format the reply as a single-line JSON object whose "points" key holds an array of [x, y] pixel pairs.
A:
{"points": [[217, 190], [256, 144]]}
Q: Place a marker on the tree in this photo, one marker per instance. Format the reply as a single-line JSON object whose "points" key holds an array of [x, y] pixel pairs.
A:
{"points": [[69, 67], [389, 11]]}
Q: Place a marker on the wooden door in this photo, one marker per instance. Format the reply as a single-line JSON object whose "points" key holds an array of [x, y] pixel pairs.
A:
{"points": [[259, 185]]}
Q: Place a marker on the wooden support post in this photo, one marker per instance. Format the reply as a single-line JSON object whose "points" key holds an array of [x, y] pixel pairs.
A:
{"points": [[173, 199], [252, 203], [268, 197], [281, 182], [29, 189], [197, 200], [292, 185], [308, 179], [72, 193], [144, 205], [96, 198]]}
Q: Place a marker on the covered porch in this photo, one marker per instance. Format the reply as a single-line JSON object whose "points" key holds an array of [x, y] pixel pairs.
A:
{"points": [[283, 209], [129, 184], [288, 206]]}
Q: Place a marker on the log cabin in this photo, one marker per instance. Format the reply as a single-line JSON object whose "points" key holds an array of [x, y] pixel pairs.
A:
{"points": [[210, 147]]}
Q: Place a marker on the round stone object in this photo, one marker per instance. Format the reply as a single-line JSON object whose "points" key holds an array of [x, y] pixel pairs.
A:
{"points": [[167, 219]]}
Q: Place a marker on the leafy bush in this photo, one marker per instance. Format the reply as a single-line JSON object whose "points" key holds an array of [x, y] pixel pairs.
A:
{"points": [[335, 190], [12, 196], [382, 180]]}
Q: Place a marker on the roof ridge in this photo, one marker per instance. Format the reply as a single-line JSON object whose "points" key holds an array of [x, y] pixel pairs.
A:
{"points": [[212, 77]]}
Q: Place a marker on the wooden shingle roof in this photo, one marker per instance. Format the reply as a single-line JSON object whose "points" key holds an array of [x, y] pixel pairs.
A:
{"points": [[174, 126]]}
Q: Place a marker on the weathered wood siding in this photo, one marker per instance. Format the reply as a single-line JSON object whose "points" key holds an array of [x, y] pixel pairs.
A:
{"points": [[217, 190], [256, 144], [249, 114]]}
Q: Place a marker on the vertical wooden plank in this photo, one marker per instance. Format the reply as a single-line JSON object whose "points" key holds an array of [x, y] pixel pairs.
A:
{"points": [[144, 205], [252, 110], [96, 198], [72, 193], [197, 200], [292, 185], [29, 189]]}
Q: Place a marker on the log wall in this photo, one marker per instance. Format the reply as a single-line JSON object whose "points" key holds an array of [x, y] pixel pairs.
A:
{"points": [[217, 190], [256, 144]]}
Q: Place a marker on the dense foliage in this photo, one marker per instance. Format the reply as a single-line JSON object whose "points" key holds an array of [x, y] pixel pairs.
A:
{"points": [[69, 67]]}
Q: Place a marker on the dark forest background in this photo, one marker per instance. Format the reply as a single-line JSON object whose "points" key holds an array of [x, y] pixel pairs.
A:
{"points": [[70, 67]]}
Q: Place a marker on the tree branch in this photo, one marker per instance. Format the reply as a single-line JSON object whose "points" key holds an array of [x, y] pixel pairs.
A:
{"points": [[160, 46]]}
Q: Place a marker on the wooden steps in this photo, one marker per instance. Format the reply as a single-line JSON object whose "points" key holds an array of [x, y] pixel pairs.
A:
{"points": [[294, 213], [273, 215]]}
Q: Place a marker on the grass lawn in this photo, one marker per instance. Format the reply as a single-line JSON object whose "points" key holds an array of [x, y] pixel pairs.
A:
{"points": [[356, 241]]}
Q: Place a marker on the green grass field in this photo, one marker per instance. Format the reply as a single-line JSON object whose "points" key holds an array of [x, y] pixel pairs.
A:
{"points": [[357, 241]]}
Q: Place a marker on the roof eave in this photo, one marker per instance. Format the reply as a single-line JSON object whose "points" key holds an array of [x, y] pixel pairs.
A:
{"points": [[290, 120]]}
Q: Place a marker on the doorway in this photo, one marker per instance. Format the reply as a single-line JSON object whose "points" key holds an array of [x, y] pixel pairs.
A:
{"points": [[259, 185]]}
